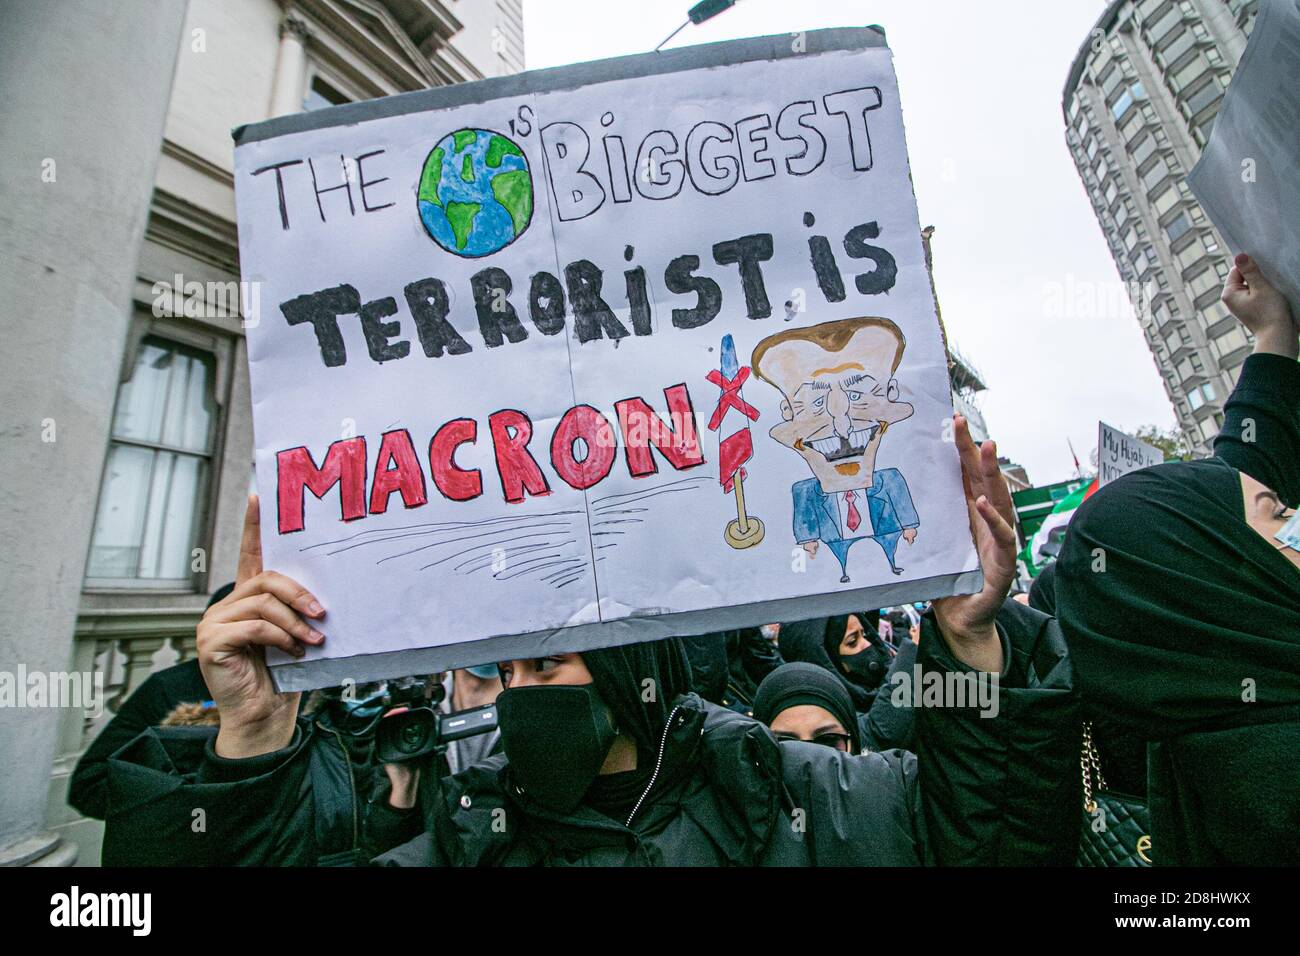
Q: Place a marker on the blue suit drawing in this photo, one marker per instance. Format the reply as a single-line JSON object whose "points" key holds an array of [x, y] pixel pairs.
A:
{"points": [[889, 504]]}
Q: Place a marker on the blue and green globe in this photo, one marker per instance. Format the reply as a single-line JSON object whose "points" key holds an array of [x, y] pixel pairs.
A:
{"points": [[476, 194]]}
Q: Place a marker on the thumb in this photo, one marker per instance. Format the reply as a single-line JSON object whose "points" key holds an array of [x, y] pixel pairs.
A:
{"points": [[1248, 267]]}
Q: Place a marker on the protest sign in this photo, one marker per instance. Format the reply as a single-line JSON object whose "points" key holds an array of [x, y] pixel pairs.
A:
{"points": [[1119, 453], [598, 354], [1248, 176]]}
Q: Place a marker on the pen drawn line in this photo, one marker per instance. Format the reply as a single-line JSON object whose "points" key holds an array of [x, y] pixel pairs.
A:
{"points": [[642, 491], [449, 525], [471, 537], [643, 496], [509, 553], [485, 544], [523, 568], [572, 562], [522, 526]]}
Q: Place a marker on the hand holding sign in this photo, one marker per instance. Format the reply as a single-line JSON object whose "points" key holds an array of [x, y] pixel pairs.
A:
{"points": [[1260, 307], [263, 610], [966, 620]]}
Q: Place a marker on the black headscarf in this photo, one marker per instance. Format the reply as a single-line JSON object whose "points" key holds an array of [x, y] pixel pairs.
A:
{"points": [[1042, 593], [803, 683], [620, 675], [1190, 609], [810, 641], [707, 656]]}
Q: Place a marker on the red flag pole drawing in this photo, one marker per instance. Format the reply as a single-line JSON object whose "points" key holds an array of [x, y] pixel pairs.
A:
{"points": [[745, 530]]}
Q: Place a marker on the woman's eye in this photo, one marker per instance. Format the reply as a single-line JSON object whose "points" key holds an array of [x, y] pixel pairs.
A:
{"points": [[545, 665], [854, 396], [819, 403]]}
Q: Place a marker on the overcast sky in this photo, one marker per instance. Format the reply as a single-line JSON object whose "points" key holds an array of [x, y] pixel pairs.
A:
{"points": [[1027, 286]]}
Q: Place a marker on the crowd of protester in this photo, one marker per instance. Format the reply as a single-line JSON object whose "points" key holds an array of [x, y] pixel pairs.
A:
{"points": [[1164, 641]]}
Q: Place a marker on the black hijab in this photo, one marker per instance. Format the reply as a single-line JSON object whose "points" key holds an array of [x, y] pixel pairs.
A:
{"points": [[1042, 593], [812, 640], [803, 683], [872, 661], [1191, 609], [620, 675], [623, 676]]}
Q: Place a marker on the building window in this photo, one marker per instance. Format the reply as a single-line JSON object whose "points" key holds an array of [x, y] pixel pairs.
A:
{"points": [[1203, 282], [1110, 81], [321, 94], [1164, 200], [1227, 343], [1189, 74], [1203, 97], [1214, 313], [1178, 227], [1171, 53], [1143, 149], [154, 489], [1166, 23], [1156, 174]]}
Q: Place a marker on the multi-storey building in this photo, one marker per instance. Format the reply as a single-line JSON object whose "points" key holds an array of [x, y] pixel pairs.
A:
{"points": [[127, 441], [1139, 103]]}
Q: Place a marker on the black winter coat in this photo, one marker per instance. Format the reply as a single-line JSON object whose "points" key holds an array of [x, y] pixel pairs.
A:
{"points": [[981, 790]]}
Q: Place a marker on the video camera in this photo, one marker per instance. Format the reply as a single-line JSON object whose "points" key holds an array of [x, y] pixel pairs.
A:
{"points": [[412, 726]]}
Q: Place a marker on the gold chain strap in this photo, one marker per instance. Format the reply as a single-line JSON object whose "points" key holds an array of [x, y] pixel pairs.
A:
{"points": [[1090, 764]]}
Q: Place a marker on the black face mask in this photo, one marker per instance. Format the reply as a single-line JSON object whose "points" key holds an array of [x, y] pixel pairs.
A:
{"points": [[556, 739], [867, 667]]}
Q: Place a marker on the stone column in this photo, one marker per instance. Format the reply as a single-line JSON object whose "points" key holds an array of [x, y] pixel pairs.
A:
{"points": [[290, 67], [87, 86]]}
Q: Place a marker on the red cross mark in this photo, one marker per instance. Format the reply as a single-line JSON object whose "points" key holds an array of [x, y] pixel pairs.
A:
{"points": [[730, 397]]}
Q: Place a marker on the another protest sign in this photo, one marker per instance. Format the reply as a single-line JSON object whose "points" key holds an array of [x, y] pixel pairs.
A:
{"points": [[1119, 453], [1248, 176]]}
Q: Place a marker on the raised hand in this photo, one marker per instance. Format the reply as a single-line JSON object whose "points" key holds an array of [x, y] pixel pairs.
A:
{"points": [[966, 620], [265, 609], [1260, 307]]}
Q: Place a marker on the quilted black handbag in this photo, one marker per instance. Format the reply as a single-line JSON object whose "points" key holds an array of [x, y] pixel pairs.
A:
{"points": [[1116, 828]]}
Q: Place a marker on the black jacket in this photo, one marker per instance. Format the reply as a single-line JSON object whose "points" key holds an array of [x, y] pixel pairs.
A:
{"points": [[152, 701], [162, 787], [980, 790]]}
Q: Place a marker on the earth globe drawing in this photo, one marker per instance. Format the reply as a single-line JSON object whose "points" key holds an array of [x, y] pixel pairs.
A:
{"points": [[476, 193]]}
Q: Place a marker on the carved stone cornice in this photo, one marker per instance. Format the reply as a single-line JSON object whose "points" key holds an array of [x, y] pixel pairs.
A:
{"points": [[294, 26]]}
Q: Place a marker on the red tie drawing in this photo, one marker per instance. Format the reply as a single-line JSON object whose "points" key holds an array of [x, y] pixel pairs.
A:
{"points": [[854, 519]]}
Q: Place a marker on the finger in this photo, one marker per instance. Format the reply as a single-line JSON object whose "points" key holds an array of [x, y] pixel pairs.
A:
{"points": [[268, 607], [1000, 529], [1248, 267], [968, 453], [250, 545], [995, 483], [238, 636], [1235, 282], [285, 588]]}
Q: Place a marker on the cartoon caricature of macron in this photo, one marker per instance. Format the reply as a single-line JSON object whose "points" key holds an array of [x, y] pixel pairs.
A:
{"points": [[839, 398]]}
